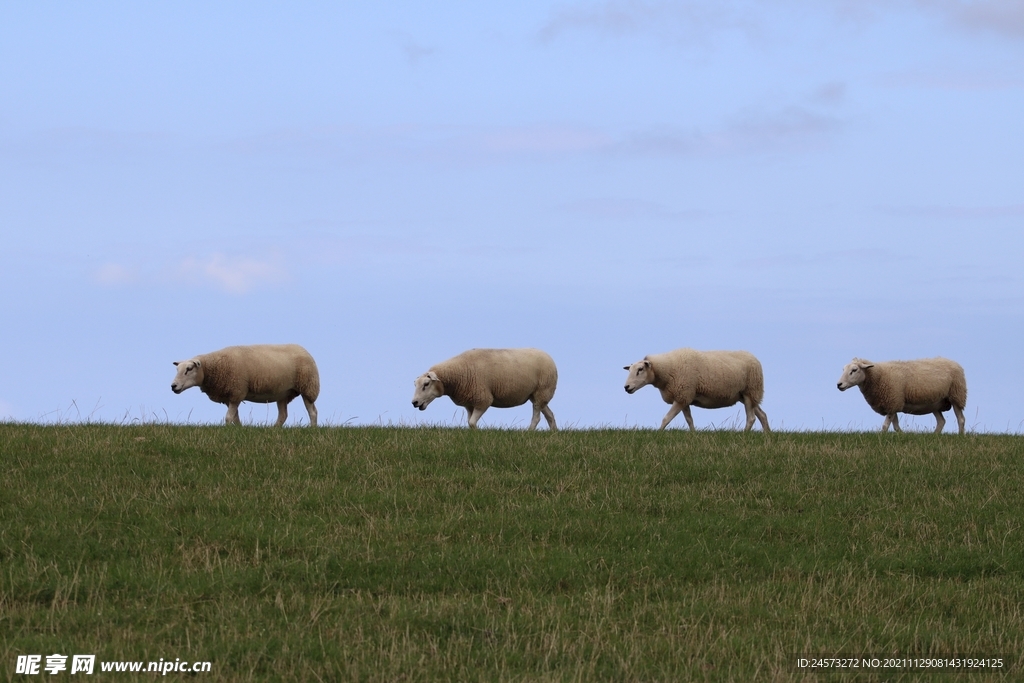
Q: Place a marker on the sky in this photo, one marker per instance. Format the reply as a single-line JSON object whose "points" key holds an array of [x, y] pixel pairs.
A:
{"points": [[389, 184]]}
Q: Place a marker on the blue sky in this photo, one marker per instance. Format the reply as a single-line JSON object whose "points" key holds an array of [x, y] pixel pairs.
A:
{"points": [[394, 184]]}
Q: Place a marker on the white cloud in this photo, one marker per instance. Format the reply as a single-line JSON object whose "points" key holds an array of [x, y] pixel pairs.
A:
{"points": [[114, 274], [751, 131], [234, 274], [1002, 17], [692, 21], [680, 23], [611, 17]]}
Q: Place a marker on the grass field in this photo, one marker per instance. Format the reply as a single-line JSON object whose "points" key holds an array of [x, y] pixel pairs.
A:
{"points": [[391, 554]]}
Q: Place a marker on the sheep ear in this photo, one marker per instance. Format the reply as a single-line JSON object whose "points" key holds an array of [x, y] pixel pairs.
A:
{"points": [[198, 363], [433, 376], [625, 367], [647, 363], [174, 363]]}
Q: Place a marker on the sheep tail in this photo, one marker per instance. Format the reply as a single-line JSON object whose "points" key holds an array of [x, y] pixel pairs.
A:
{"points": [[755, 382], [958, 389]]}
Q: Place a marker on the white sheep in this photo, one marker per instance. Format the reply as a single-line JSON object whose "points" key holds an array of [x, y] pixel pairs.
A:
{"points": [[916, 387], [480, 378], [264, 373], [706, 379]]}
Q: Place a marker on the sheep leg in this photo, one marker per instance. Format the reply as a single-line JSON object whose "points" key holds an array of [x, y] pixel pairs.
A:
{"points": [[959, 417], [282, 413], [536, 416], [475, 416], [550, 417], [311, 409], [940, 421], [689, 418], [763, 418], [748, 405], [672, 412], [895, 420], [232, 417]]}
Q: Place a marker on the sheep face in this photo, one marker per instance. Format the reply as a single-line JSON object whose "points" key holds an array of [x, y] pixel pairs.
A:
{"points": [[640, 375], [190, 374], [428, 387], [854, 374]]}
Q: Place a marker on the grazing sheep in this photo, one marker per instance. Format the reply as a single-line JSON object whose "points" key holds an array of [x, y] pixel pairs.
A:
{"points": [[916, 387], [480, 378], [706, 379], [263, 373]]}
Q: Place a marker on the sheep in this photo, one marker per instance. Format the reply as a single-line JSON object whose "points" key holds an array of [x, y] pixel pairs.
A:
{"points": [[263, 373], [916, 387], [706, 379], [480, 378]]}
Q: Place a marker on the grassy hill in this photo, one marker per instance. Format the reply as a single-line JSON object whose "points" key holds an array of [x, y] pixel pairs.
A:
{"points": [[387, 554]]}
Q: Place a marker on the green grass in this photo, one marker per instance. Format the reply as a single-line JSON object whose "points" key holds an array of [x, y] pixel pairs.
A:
{"points": [[396, 554]]}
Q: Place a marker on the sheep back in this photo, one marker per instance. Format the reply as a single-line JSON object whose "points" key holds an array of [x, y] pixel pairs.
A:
{"points": [[262, 373], [502, 378]]}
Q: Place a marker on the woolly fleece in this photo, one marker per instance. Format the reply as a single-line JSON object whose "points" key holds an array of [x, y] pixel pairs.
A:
{"points": [[501, 378], [916, 387], [263, 373], [706, 379]]}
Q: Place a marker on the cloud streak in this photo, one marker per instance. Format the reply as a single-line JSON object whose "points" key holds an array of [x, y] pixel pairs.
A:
{"points": [[1000, 17], [114, 274], [677, 22], [751, 131], [691, 22], [227, 273], [232, 274]]}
